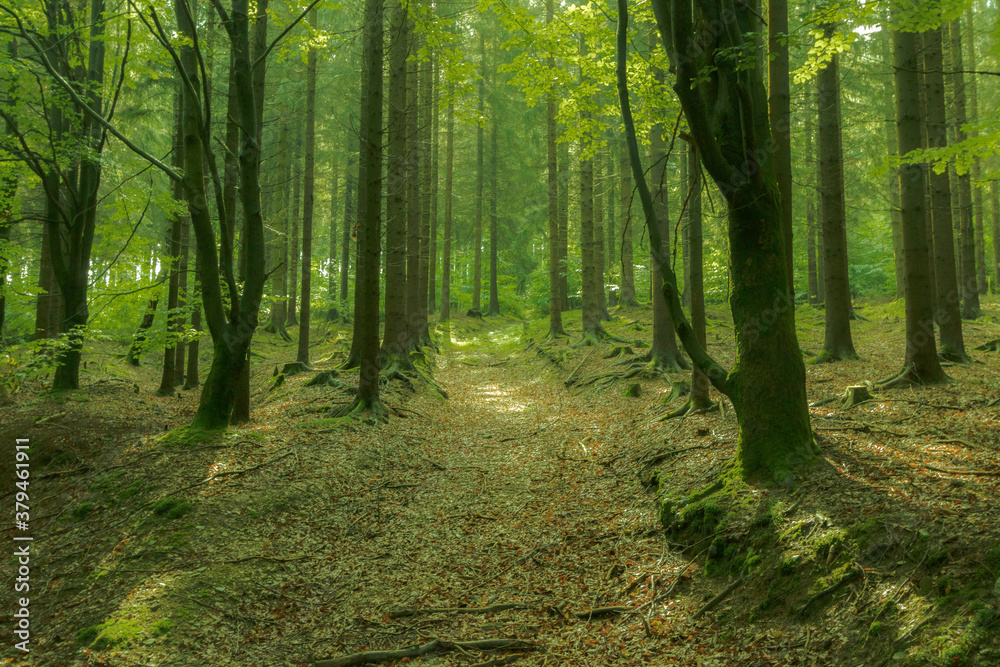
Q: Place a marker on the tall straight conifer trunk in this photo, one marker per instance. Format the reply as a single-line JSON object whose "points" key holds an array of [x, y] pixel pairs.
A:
{"points": [[970, 290], [948, 314], [449, 182], [921, 365], [837, 343], [478, 237], [308, 200], [494, 194], [552, 171]]}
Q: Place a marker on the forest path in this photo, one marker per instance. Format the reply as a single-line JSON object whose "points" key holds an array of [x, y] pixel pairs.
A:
{"points": [[527, 495]]}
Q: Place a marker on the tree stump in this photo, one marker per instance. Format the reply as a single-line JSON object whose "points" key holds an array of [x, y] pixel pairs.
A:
{"points": [[856, 394], [473, 312], [633, 390]]}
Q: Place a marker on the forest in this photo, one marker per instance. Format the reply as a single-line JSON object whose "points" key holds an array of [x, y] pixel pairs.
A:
{"points": [[500, 332]]}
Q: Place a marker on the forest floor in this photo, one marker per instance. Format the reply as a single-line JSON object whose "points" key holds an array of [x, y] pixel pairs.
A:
{"points": [[507, 513]]}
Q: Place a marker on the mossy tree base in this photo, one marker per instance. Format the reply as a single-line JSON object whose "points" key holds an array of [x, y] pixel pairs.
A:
{"points": [[368, 411], [691, 407], [192, 435]]}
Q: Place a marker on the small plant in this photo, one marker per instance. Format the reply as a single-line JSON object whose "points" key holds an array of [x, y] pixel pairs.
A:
{"points": [[81, 511], [88, 634], [171, 508], [163, 626]]}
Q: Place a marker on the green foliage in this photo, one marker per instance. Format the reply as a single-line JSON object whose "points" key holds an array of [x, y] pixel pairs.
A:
{"points": [[171, 508]]}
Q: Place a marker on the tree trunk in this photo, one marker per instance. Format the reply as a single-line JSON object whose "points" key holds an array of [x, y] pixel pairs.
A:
{"points": [[552, 170], [412, 190], [699, 381], [591, 315], [494, 194], [837, 343], [331, 261], [435, 139], [345, 238], [947, 314], [602, 302], [995, 214], [563, 167], [977, 193], [394, 353], [478, 237], [173, 253], [626, 291], [810, 188], [424, 137], [369, 211], [449, 181], [893, 185], [309, 178], [970, 291], [279, 241], [664, 352], [921, 363], [184, 296], [293, 242], [767, 383], [779, 103]]}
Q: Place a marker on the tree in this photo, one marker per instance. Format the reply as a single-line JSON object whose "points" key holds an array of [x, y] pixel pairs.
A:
{"points": [[173, 250], [552, 170], [970, 291], [921, 365], [837, 343], [727, 115], [394, 354], [779, 103], [494, 194], [309, 179], [478, 247], [449, 181], [279, 241], [948, 315], [366, 289]]}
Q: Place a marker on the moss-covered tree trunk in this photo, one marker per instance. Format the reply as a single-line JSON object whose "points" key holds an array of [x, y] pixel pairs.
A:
{"points": [[699, 381], [728, 118], [449, 182]]}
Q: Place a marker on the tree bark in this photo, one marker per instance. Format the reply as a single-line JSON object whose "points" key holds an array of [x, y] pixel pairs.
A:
{"points": [[563, 168], [664, 352], [893, 185], [552, 170], [435, 140], [699, 381], [173, 252], [626, 292], [308, 202], [970, 291], [602, 302], [921, 363], [293, 241], [977, 193], [394, 353], [331, 262], [728, 119], [478, 237], [424, 138], [345, 238], [449, 181], [810, 188], [779, 111], [947, 314], [838, 343], [494, 195]]}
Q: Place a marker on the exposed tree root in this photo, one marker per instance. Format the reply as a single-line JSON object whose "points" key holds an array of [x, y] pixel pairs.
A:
{"points": [[717, 600], [327, 379], [907, 378], [278, 329], [991, 346], [437, 645], [690, 407], [372, 412], [571, 378], [946, 353], [619, 351], [292, 368]]}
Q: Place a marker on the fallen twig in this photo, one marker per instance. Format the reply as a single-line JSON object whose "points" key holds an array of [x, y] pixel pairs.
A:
{"points": [[601, 611], [714, 602], [403, 613], [569, 380], [369, 657], [844, 580], [980, 473]]}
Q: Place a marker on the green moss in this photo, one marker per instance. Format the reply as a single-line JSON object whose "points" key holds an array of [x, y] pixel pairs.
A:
{"points": [[789, 565], [876, 629], [702, 516], [171, 508], [191, 435], [133, 489], [81, 511], [163, 626], [88, 634], [105, 482], [330, 422]]}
